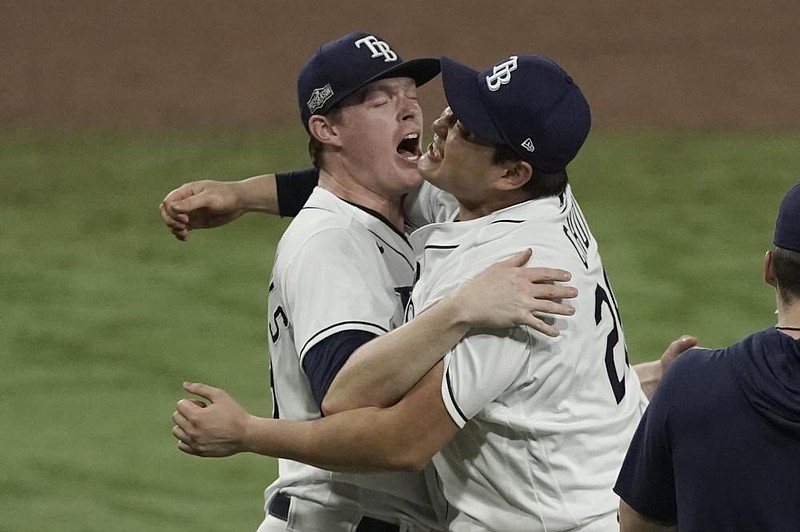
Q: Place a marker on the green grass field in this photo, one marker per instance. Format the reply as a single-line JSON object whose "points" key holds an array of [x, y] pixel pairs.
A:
{"points": [[104, 314]]}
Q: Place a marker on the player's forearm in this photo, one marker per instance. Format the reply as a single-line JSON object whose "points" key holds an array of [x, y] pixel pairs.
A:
{"points": [[381, 371], [403, 437], [358, 440], [649, 374], [258, 194], [283, 194]]}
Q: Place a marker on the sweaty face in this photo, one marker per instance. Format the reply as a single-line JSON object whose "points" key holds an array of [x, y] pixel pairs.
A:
{"points": [[457, 161], [380, 133]]}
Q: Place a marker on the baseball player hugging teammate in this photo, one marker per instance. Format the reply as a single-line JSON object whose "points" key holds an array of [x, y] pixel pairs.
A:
{"points": [[519, 423], [342, 274]]}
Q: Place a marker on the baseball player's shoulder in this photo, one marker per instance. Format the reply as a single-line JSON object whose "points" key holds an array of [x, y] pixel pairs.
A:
{"points": [[697, 360], [323, 209], [320, 233], [688, 377], [323, 223], [699, 364]]}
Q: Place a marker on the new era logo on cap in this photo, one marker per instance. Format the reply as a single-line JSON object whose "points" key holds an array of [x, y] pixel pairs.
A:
{"points": [[341, 67], [528, 145]]}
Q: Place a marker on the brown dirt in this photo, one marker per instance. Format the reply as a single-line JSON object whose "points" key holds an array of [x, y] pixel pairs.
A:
{"points": [[709, 64]]}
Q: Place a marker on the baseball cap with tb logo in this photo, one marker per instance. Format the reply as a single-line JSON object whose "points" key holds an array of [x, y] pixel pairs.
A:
{"points": [[341, 67], [527, 102]]}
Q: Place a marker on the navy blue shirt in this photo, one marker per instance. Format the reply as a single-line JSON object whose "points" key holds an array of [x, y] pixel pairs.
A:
{"points": [[718, 449]]}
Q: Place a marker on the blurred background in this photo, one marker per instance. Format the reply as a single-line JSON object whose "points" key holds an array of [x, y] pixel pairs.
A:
{"points": [[107, 106], [200, 63]]}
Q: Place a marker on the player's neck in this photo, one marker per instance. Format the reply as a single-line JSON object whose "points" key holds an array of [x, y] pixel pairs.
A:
{"points": [[789, 317], [348, 189], [487, 205]]}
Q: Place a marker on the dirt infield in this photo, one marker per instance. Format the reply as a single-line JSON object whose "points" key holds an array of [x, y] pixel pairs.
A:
{"points": [[708, 64]]}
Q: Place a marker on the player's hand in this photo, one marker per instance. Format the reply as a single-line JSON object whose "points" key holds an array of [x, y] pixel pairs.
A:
{"points": [[508, 293], [200, 205], [213, 429], [650, 373], [675, 349]]}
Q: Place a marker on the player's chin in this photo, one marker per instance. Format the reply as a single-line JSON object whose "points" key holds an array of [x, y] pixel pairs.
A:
{"points": [[406, 171], [427, 166], [411, 182]]}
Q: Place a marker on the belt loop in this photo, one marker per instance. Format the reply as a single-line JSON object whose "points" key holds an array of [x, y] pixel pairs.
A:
{"points": [[279, 507]]}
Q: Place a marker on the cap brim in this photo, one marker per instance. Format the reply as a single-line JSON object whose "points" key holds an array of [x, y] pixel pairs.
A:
{"points": [[464, 98], [420, 70]]}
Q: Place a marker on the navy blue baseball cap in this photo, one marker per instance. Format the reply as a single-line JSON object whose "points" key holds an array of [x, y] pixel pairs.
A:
{"points": [[526, 102], [341, 67], [787, 227]]}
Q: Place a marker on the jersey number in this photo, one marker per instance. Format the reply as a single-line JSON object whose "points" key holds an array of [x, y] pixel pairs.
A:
{"points": [[274, 334], [279, 314], [602, 299]]}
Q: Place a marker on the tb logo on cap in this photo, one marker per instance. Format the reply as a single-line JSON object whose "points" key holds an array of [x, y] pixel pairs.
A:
{"points": [[501, 74], [378, 48]]}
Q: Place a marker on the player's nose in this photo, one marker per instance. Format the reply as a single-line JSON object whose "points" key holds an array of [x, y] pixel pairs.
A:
{"points": [[410, 110], [440, 125]]}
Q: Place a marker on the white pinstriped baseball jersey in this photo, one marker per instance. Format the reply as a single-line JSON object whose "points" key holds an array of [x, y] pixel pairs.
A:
{"points": [[337, 268], [545, 422], [428, 204]]}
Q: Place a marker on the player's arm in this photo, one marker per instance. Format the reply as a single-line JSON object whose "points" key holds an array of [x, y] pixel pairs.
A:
{"points": [[632, 521], [382, 370], [650, 373], [205, 204], [401, 437]]}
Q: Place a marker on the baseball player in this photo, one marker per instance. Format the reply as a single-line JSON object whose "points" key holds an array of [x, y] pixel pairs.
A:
{"points": [[343, 273], [719, 446], [526, 431]]}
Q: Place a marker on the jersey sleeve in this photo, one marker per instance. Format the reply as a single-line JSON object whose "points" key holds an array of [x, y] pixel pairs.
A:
{"points": [[294, 188], [427, 205], [646, 481], [480, 368], [323, 361], [335, 283]]}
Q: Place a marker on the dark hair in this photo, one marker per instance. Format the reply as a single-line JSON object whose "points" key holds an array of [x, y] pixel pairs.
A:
{"points": [[315, 147], [787, 272], [541, 184]]}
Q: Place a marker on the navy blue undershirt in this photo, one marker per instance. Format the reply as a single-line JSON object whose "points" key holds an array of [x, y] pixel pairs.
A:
{"points": [[323, 361], [294, 188]]}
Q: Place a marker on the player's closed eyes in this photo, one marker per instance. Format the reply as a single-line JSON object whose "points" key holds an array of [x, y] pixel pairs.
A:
{"points": [[469, 137]]}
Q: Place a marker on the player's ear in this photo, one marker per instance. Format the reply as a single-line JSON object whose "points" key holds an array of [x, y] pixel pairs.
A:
{"points": [[769, 270], [517, 174], [322, 129]]}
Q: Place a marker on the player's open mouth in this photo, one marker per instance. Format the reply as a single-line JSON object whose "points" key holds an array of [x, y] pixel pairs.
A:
{"points": [[409, 148]]}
